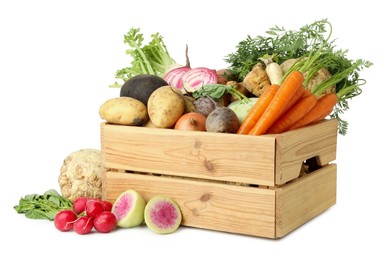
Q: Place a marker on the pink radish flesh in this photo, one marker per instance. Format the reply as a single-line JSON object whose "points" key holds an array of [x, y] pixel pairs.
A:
{"points": [[163, 214], [123, 207]]}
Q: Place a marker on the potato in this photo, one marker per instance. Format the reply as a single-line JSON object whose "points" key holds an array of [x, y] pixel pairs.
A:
{"points": [[165, 105], [124, 111]]}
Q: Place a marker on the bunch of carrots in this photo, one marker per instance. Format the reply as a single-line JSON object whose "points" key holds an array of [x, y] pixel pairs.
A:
{"points": [[289, 105], [286, 107]]}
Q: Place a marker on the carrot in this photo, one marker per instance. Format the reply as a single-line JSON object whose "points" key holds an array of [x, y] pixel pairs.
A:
{"points": [[301, 108], [298, 95], [318, 119], [258, 109], [324, 106], [275, 109]]}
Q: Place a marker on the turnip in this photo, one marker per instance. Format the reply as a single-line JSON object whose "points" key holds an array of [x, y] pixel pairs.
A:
{"points": [[242, 107], [64, 220]]}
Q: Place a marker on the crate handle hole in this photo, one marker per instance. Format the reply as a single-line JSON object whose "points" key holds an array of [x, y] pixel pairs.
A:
{"points": [[310, 165]]}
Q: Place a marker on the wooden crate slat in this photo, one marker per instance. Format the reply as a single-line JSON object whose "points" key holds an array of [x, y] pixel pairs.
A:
{"points": [[193, 154], [294, 147], [305, 198], [216, 206], [199, 170]]}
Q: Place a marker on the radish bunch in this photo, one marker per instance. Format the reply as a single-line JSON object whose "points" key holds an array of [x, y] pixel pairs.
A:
{"points": [[87, 213]]}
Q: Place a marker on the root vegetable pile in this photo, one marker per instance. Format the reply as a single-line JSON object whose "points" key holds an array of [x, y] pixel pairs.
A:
{"points": [[273, 84], [297, 77]]}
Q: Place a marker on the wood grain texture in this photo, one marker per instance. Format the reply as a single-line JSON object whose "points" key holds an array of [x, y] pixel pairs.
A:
{"points": [[198, 169], [261, 160], [215, 206], [224, 157], [294, 147], [305, 198]]}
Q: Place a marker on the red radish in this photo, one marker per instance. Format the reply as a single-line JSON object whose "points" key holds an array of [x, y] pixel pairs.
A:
{"points": [[195, 78], [83, 225], [64, 220], [105, 222], [107, 206], [191, 121], [79, 205], [175, 77], [93, 208]]}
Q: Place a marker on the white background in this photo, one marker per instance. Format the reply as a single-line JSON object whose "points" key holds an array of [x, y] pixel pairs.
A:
{"points": [[57, 59]]}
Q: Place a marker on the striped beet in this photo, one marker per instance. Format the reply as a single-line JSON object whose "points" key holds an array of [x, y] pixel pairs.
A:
{"points": [[195, 78], [174, 77]]}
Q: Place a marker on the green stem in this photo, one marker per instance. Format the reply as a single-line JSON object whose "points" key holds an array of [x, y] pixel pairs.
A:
{"points": [[332, 81]]}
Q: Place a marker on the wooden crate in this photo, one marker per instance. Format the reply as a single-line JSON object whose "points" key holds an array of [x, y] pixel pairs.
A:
{"points": [[252, 185]]}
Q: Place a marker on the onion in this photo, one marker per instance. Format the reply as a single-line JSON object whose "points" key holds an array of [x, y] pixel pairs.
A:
{"points": [[195, 78], [174, 77], [191, 121]]}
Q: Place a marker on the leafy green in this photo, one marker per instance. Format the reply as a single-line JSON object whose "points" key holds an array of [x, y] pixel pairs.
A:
{"points": [[280, 43], [43, 206], [152, 58], [309, 40], [216, 91]]}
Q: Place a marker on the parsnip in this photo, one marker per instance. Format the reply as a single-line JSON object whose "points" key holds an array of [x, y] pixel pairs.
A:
{"points": [[274, 72], [256, 80]]}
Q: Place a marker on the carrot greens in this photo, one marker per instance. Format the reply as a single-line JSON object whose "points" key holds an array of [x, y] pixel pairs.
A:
{"points": [[314, 49]]}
